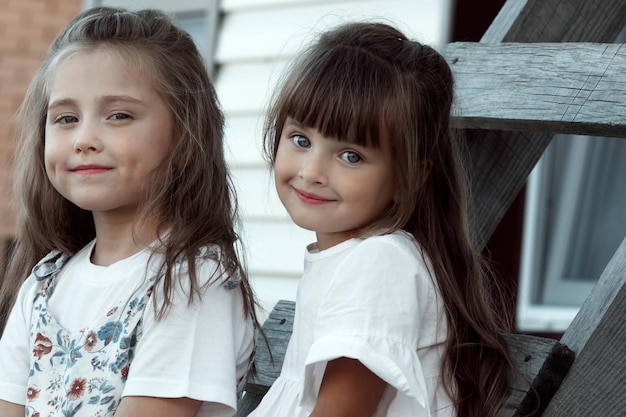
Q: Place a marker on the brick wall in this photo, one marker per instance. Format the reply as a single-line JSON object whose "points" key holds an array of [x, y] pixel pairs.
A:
{"points": [[27, 27]]}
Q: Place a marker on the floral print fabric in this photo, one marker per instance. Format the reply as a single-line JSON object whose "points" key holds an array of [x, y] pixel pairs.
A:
{"points": [[80, 373]]}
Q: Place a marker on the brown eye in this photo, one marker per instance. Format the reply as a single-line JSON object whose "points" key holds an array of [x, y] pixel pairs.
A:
{"points": [[66, 119], [119, 116]]}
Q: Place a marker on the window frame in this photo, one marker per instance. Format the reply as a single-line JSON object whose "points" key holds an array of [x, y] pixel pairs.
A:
{"points": [[545, 288], [179, 10]]}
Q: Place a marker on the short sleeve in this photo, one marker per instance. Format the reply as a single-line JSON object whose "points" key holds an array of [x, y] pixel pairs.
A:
{"points": [[372, 312], [15, 346], [198, 350]]}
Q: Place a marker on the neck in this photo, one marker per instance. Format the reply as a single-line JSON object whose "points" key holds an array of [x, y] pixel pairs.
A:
{"points": [[119, 240]]}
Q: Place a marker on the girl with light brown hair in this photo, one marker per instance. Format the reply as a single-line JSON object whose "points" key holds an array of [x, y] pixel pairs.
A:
{"points": [[138, 303]]}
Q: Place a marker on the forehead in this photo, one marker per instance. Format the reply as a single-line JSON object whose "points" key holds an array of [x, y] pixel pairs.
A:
{"points": [[98, 71]]}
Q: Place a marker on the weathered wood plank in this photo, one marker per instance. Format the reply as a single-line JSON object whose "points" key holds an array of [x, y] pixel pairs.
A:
{"points": [[528, 21], [277, 327], [248, 403], [557, 21], [576, 88], [498, 165], [542, 364], [595, 383]]}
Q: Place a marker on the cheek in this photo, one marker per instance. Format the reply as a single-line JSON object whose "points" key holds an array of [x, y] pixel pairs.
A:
{"points": [[49, 153], [385, 191], [162, 151], [280, 176], [159, 159], [281, 164], [51, 163]]}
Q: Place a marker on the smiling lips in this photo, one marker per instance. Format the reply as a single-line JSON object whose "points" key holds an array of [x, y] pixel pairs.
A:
{"points": [[90, 169], [310, 198]]}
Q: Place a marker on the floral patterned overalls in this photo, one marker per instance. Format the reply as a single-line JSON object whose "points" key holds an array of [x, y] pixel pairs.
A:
{"points": [[84, 372]]}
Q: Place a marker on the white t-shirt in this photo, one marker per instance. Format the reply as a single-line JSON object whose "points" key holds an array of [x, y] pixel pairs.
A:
{"points": [[373, 300], [200, 350]]}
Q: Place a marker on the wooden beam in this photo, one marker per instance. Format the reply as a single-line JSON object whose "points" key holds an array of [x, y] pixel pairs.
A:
{"points": [[542, 363], [498, 166], [576, 88], [529, 21], [557, 21], [595, 383], [277, 327]]}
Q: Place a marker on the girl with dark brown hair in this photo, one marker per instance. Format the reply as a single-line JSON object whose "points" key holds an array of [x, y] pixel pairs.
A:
{"points": [[394, 312]]}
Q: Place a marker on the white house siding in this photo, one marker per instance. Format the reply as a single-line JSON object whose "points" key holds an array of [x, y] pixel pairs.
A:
{"points": [[256, 39]]}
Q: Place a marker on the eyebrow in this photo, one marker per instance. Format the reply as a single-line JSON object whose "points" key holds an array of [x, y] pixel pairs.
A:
{"points": [[104, 100]]}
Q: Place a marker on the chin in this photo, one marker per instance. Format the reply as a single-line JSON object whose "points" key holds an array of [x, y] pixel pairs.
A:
{"points": [[306, 225]]}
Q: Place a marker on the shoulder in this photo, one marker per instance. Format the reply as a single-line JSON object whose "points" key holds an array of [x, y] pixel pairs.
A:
{"points": [[36, 284], [382, 267], [209, 266], [28, 292], [398, 251], [49, 265], [381, 288], [207, 296], [398, 240], [213, 268]]}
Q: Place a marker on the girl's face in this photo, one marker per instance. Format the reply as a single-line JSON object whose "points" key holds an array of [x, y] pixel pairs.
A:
{"points": [[331, 187], [107, 130]]}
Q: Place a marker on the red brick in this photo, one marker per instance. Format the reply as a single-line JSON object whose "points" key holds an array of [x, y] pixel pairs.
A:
{"points": [[27, 27]]}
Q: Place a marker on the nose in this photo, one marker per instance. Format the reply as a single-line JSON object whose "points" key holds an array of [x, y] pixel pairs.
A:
{"points": [[314, 168], [87, 138]]}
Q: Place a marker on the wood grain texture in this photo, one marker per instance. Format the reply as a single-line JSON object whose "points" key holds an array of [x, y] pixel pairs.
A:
{"points": [[528, 21], [595, 383], [547, 87], [248, 403], [542, 364], [499, 163], [278, 328], [557, 21], [269, 359]]}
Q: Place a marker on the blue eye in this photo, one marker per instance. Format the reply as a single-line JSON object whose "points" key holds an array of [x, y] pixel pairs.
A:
{"points": [[301, 141], [351, 157]]}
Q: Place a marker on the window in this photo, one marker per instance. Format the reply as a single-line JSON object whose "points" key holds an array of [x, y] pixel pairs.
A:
{"points": [[198, 17], [575, 220]]}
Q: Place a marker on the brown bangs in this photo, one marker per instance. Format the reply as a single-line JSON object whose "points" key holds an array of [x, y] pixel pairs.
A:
{"points": [[343, 93]]}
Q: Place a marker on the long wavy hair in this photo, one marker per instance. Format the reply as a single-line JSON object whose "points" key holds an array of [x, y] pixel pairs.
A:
{"points": [[191, 194], [365, 83]]}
